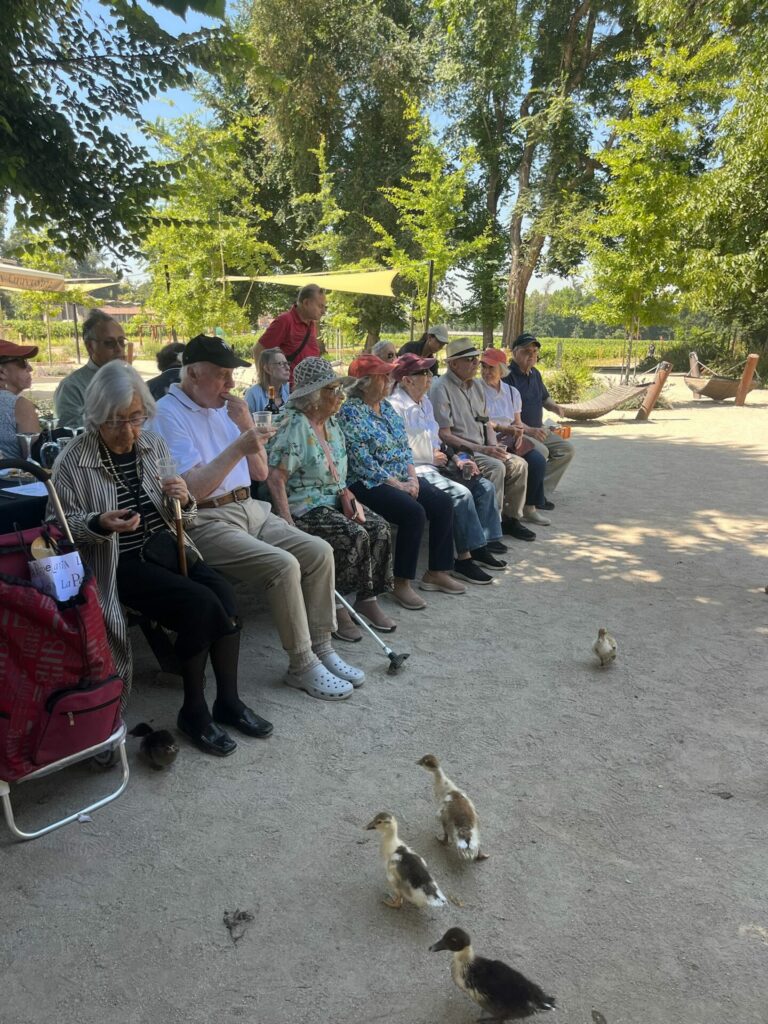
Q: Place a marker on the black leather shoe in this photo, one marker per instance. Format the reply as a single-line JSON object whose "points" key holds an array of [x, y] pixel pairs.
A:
{"points": [[547, 505], [211, 739], [514, 528], [247, 722], [496, 547]]}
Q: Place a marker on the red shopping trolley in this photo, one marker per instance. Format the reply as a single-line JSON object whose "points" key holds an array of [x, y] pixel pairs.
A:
{"points": [[59, 692]]}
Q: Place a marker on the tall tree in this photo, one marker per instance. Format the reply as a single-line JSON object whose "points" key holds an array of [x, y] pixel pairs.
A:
{"points": [[67, 71]]}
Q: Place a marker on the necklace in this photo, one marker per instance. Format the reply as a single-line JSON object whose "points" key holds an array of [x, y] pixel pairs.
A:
{"points": [[117, 476]]}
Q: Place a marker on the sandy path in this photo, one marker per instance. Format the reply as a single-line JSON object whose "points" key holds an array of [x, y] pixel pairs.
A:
{"points": [[621, 877]]}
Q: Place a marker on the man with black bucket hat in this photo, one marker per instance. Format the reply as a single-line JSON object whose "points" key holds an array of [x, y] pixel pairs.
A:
{"points": [[218, 451]]}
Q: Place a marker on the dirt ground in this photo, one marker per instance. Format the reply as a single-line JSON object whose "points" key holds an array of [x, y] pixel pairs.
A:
{"points": [[625, 810]]}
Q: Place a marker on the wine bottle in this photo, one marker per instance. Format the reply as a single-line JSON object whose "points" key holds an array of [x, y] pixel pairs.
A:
{"points": [[271, 403]]}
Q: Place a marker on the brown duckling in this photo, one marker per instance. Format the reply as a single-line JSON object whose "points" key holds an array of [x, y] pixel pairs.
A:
{"points": [[407, 872], [157, 745], [456, 812], [501, 991]]}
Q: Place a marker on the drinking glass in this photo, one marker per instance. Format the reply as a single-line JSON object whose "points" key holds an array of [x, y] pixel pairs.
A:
{"points": [[25, 443], [167, 469], [262, 420]]}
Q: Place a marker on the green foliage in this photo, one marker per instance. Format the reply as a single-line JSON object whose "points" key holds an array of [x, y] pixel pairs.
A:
{"points": [[569, 383], [67, 71]]}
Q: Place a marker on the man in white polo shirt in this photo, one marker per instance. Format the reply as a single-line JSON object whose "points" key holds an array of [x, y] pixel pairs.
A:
{"points": [[218, 451]]}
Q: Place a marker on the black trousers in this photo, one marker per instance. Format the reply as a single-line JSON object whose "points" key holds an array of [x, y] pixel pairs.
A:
{"points": [[410, 515], [199, 608]]}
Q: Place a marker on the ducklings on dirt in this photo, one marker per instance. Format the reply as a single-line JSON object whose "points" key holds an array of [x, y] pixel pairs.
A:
{"points": [[407, 872], [157, 745], [456, 812], [605, 647], [501, 991]]}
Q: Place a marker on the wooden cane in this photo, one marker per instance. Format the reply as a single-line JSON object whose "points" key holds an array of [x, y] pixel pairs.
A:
{"points": [[180, 537]]}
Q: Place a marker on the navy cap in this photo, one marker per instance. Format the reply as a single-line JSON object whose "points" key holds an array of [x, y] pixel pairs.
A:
{"points": [[206, 349], [526, 338]]}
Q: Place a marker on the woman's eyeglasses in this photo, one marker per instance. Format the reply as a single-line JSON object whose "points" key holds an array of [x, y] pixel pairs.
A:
{"points": [[23, 363], [333, 389], [133, 421]]}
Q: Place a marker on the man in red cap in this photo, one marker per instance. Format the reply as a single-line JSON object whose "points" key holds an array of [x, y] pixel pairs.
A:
{"points": [[295, 331]]}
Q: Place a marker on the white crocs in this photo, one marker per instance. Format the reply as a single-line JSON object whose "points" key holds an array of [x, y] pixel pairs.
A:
{"points": [[320, 683], [340, 668]]}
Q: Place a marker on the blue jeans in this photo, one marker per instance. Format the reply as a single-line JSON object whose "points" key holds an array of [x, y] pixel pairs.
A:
{"points": [[475, 515]]}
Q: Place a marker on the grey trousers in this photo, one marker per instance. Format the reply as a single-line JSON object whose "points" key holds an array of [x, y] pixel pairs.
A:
{"points": [[294, 569], [558, 454], [510, 478]]}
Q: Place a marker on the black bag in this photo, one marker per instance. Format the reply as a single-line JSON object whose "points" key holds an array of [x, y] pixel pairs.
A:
{"points": [[161, 548]]}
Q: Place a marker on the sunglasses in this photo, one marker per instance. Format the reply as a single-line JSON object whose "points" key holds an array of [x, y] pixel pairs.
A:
{"points": [[23, 363], [421, 373]]}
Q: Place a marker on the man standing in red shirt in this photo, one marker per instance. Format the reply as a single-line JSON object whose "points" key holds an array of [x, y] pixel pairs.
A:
{"points": [[295, 331]]}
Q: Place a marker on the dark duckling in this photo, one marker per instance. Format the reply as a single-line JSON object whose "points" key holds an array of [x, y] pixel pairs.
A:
{"points": [[157, 745], [502, 992]]}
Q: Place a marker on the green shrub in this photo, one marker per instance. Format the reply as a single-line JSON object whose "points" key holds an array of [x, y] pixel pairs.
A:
{"points": [[569, 383]]}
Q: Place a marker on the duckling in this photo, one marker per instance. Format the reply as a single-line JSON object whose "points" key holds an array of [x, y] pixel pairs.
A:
{"points": [[604, 647], [502, 992], [407, 872], [456, 812], [157, 745]]}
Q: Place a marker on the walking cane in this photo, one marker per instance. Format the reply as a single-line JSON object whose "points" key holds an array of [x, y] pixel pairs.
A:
{"points": [[180, 536]]}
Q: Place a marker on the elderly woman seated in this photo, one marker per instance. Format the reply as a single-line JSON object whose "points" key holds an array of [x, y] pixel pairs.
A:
{"points": [[382, 476], [504, 404], [476, 519], [274, 371], [118, 489], [17, 414], [308, 483], [385, 350]]}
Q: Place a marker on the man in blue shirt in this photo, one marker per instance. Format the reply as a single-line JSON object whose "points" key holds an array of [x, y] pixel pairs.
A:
{"points": [[524, 376]]}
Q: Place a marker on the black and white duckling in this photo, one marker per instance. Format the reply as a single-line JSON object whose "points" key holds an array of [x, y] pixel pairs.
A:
{"points": [[456, 812], [502, 992], [407, 872], [157, 745]]}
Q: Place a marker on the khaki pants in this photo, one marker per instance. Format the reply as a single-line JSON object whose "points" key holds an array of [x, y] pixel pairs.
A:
{"points": [[246, 542], [510, 478], [558, 454]]}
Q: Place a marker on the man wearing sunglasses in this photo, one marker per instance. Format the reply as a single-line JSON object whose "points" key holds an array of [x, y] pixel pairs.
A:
{"points": [[458, 401], [105, 340]]}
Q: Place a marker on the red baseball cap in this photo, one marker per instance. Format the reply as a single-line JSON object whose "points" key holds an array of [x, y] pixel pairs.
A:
{"points": [[409, 364], [10, 351], [493, 357], [367, 365]]}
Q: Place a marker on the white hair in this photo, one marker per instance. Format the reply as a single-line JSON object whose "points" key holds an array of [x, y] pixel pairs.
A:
{"points": [[359, 386], [112, 389]]}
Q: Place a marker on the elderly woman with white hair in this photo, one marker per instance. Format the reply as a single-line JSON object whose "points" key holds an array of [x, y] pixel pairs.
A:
{"points": [[308, 483], [385, 350], [118, 498]]}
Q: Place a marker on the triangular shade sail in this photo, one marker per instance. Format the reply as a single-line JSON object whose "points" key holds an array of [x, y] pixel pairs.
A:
{"points": [[22, 279], [363, 282]]}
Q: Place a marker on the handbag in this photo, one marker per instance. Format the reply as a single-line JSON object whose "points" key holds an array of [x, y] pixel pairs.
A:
{"points": [[348, 503], [161, 548], [518, 446]]}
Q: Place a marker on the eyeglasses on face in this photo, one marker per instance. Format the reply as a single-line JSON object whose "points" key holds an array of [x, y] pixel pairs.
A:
{"points": [[133, 421], [421, 373], [333, 389], [113, 343], [469, 359]]}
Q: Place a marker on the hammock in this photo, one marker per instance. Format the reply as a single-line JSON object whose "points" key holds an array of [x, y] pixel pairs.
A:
{"points": [[717, 386], [603, 403]]}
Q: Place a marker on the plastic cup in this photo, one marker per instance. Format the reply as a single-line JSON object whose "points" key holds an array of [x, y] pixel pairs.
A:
{"points": [[262, 420], [167, 469]]}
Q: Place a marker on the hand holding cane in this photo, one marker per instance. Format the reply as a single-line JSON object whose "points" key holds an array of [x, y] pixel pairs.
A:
{"points": [[167, 470]]}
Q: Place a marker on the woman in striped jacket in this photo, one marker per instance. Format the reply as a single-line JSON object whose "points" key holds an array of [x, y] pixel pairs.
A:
{"points": [[119, 505]]}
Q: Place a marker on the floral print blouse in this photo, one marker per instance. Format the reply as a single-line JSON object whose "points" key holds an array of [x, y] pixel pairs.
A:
{"points": [[296, 449], [377, 444]]}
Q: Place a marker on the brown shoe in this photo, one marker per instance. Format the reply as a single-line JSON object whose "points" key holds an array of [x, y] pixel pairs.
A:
{"points": [[372, 612], [407, 597], [441, 581]]}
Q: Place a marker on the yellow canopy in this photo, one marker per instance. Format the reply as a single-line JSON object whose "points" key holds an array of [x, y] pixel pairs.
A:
{"points": [[22, 279], [363, 282]]}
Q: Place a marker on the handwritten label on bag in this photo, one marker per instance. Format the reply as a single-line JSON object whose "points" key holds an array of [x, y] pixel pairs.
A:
{"points": [[60, 576]]}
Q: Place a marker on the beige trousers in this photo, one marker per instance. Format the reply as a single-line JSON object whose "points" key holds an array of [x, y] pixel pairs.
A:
{"points": [[510, 478], [247, 542], [558, 454]]}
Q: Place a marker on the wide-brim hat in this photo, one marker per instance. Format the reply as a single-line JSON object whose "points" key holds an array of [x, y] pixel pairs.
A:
{"points": [[461, 347], [410, 363], [9, 350], [205, 348], [312, 374], [526, 338], [368, 366], [439, 331], [494, 357]]}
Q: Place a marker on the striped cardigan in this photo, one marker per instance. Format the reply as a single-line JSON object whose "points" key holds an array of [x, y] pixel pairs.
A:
{"points": [[85, 488]]}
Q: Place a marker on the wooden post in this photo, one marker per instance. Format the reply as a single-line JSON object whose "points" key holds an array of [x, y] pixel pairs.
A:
{"points": [[429, 294], [693, 362], [129, 352], [653, 392], [746, 378], [559, 355], [77, 332]]}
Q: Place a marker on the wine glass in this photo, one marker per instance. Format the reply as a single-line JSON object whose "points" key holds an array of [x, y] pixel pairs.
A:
{"points": [[26, 440]]}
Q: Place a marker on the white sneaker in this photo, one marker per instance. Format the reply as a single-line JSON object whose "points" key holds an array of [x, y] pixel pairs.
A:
{"points": [[320, 683], [532, 515], [340, 668]]}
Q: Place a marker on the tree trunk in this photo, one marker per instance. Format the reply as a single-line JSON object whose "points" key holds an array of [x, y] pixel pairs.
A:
{"points": [[371, 338], [520, 274]]}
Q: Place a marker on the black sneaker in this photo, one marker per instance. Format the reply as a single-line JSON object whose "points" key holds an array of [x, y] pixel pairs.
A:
{"points": [[514, 528], [467, 571], [485, 557], [546, 505], [496, 547]]}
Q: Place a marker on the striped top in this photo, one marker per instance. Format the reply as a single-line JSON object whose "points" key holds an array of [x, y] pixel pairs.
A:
{"points": [[132, 496]]}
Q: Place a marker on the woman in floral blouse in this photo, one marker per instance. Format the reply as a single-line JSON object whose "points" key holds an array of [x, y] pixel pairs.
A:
{"points": [[308, 469], [382, 475]]}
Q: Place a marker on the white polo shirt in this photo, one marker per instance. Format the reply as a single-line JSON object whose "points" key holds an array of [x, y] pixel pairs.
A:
{"points": [[504, 404], [420, 426], [196, 436]]}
